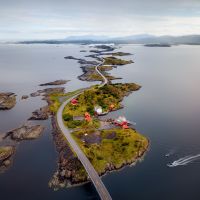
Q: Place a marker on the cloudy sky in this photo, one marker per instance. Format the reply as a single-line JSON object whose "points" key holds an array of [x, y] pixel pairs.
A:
{"points": [[50, 19]]}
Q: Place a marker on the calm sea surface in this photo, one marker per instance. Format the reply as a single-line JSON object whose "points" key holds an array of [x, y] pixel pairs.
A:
{"points": [[166, 110]]}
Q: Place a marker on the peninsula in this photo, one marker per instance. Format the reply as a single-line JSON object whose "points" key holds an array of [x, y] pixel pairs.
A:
{"points": [[107, 144]]}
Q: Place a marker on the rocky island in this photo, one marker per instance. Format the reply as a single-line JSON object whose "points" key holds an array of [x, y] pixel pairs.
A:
{"points": [[7, 100], [25, 132], [157, 45], [11, 139], [57, 82]]}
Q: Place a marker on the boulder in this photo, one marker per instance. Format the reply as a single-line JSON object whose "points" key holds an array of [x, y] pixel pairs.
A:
{"points": [[5, 153], [7, 100], [40, 114], [24, 97]]}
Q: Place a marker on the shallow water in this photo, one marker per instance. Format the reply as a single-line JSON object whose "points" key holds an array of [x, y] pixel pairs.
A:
{"points": [[166, 110]]}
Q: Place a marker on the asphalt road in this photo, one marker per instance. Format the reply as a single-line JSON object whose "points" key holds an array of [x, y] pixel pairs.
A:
{"points": [[100, 187]]}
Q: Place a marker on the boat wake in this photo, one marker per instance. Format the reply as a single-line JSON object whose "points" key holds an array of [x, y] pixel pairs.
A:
{"points": [[184, 161]]}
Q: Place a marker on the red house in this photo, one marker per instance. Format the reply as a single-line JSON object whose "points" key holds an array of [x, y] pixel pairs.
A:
{"points": [[121, 121], [74, 102], [87, 117]]}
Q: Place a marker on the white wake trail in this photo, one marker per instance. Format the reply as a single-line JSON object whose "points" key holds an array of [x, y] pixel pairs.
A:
{"points": [[184, 161]]}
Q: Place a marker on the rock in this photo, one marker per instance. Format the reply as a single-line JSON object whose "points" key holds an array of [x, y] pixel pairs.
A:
{"points": [[5, 153], [24, 97], [7, 100], [57, 82], [7, 163], [35, 94], [40, 114], [26, 132], [70, 58]]}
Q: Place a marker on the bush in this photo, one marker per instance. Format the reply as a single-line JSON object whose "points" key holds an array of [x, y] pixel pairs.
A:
{"points": [[74, 123], [67, 117], [99, 158], [90, 109]]}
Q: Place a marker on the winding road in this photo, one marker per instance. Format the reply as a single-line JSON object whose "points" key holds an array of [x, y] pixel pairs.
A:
{"points": [[105, 80], [100, 187]]}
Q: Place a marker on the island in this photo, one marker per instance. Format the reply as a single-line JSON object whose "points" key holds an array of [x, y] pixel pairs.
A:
{"points": [[109, 144], [157, 45], [7, 100], [57, 82]]}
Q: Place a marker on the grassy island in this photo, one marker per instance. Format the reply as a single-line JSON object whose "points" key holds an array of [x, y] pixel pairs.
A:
{"points": [[107, 149], [111, 149], [116, 61]]}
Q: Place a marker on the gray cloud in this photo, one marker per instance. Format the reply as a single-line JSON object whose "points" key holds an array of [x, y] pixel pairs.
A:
{"points": [[22, 19]]}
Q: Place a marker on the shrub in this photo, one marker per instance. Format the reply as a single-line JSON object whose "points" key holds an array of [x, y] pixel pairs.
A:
{"points": [[74, 123], [67, 117]]}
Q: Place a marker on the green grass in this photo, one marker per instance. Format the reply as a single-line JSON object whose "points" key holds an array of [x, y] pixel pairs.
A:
{"points": [[104, 97], [116, 61], [124, 147], [127, 144], [82, 124], [55, 99]]}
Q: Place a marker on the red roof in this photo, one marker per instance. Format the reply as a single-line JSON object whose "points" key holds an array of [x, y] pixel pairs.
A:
{"points": [[125, 126], [74, 102], [88, 117]]}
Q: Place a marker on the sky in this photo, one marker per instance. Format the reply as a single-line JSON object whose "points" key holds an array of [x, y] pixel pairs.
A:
{"points": [[58, 19]]}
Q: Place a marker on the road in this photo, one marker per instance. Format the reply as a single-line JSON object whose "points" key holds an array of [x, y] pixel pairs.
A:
{"points": [[100, 187], [105, 80]]}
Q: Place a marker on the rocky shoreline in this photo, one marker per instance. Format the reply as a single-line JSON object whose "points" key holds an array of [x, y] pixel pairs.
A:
{"points": [[69, 165]]}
